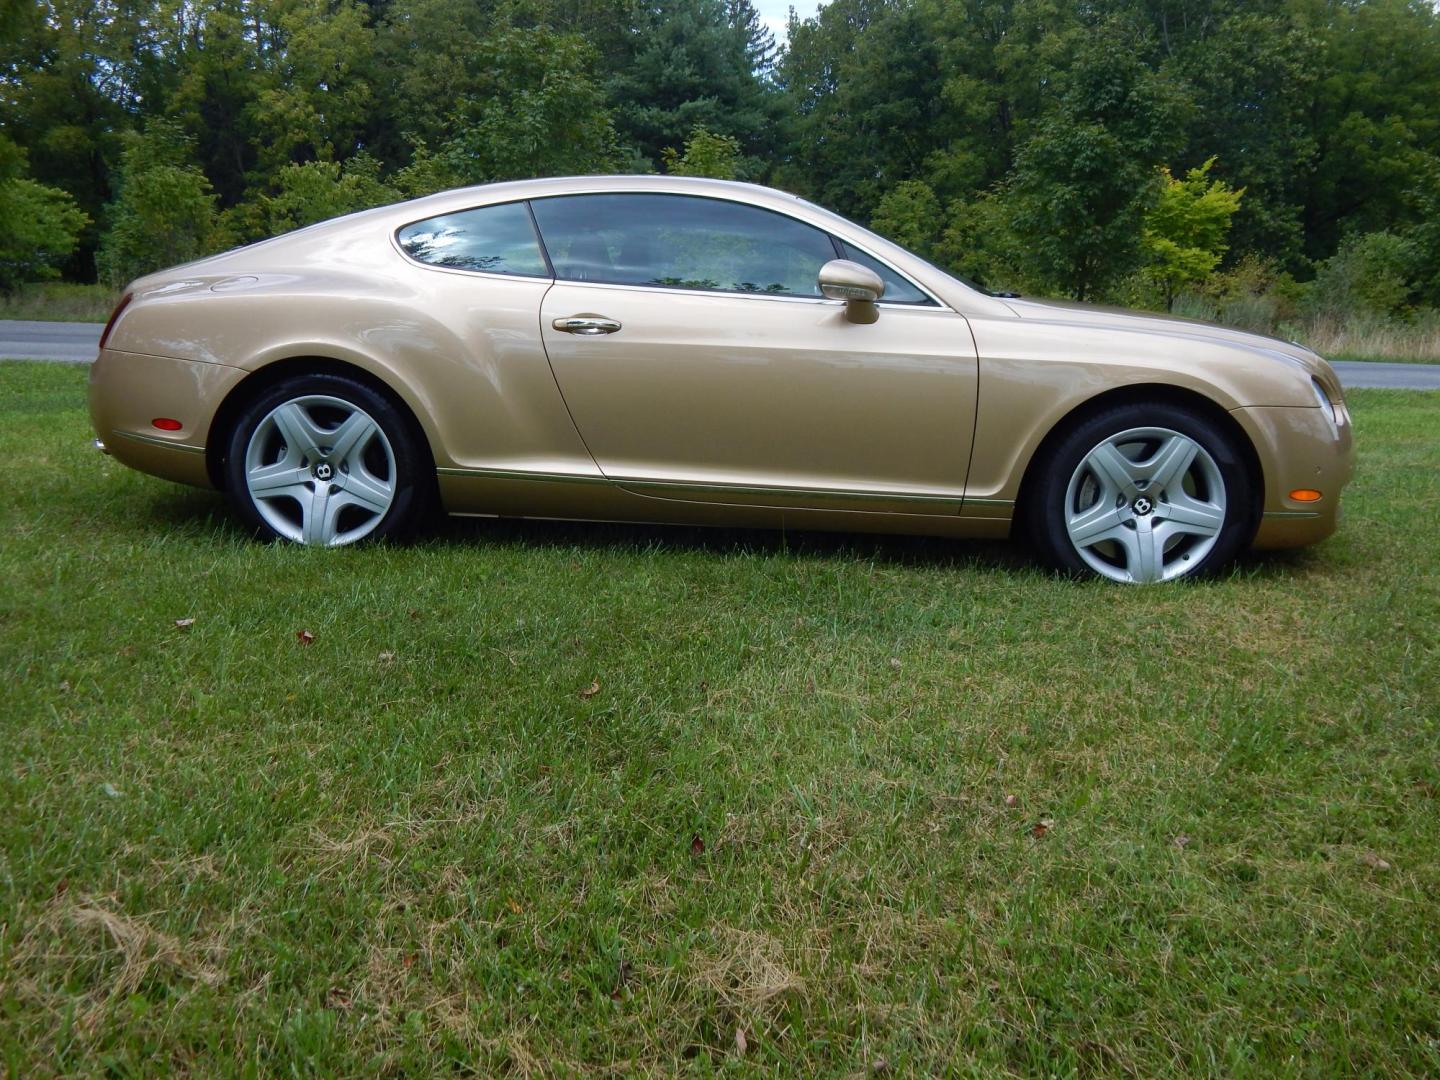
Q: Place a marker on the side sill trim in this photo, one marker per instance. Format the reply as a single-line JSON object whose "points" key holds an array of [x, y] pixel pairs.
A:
{"points": [[681, 486], [1291, 514], [163, 443], [524, 474]]}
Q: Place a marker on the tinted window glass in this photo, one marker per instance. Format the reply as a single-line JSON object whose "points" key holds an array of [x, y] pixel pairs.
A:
{"points": [[682, 241], [897, 289], [497, 239]]}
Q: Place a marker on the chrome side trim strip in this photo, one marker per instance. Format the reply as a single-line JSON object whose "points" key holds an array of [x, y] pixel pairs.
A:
{"points": [[525, 474], [682, 486], [1292, 513], [149, 440], [809, 493]]}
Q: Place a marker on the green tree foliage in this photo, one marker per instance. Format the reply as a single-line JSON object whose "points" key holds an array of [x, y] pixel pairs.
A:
{"points": [[1084, 178], [164, 211], [911, 215], [320, 100], [1371, 274], [1014, 140], [1184, 232], [684, 64], [318, 190], [536, 109], [39, 226], [705, 154]]}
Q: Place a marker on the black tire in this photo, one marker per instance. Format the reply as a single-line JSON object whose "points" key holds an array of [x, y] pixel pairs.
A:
{"points": [[1215, 488], [391, 460]]}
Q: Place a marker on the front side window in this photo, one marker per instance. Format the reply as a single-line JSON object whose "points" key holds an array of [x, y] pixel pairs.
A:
{"points": [[681, 241], [494, 239], [898, 290]]}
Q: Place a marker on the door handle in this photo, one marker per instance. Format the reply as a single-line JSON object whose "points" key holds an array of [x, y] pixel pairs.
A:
{"points": [[586, 325]]}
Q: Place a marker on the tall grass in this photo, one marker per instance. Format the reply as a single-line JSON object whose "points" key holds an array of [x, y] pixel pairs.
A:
{"points": [[1357, 336], [58, 301], [1374, 338]]}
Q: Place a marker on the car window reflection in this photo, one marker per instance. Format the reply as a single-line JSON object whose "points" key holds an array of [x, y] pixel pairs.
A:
{"points": [[493, 239], [683, 242]]}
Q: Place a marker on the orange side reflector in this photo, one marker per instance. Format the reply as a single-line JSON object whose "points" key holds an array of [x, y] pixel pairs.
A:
{"points": [[1306, 495], [164, 423]]}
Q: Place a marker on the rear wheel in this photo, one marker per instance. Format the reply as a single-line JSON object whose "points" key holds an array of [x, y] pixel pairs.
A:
{"points": [[325, 460], [1142, 493]]}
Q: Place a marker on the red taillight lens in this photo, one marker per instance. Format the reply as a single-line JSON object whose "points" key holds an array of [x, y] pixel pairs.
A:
{"points": [[164, 423], [115, 317]]}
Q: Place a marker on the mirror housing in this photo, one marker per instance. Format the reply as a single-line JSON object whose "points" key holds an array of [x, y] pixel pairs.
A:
{"points": [[858, 286]]}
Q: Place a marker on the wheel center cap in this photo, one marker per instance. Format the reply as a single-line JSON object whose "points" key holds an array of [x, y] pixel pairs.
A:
{"points": [[1142, 506], [323, 471]]}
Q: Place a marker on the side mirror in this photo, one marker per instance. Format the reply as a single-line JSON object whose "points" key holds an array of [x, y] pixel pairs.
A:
{"points": [[858, 286]]}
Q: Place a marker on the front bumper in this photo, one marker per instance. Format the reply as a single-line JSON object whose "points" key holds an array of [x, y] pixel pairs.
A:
{"points": [[128, 391], [1300, 447]]}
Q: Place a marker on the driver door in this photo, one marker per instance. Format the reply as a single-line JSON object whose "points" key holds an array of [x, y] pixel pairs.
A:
{"points": [[699, 362]]}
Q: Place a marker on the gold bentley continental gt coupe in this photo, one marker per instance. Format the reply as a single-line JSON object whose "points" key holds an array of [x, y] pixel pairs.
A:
{"points": [[667, 349]]}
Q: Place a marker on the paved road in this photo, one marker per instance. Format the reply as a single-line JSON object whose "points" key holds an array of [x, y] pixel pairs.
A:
{"points": [[1375, 374], [76, 343]]}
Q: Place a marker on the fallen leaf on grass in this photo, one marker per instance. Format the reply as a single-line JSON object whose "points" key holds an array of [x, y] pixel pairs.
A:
{"points": [[1041, 827], [65, 687], [741, 1043], [387, 657], [1181, 841], [697, 845], [1375, 862], [112, 791], [879, 1065], [591, 690], [305, 637], [337, 999], [895, 662], [514, 907], [621, 978], [185, 624], [1012, 801]]}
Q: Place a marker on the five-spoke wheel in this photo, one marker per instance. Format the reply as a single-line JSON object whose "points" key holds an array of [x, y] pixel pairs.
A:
{"points": [[1142, 494], [325, 460]]}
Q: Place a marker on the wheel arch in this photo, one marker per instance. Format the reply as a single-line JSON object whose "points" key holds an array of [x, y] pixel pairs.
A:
{"points": [[262, 378], [1138, 394]]}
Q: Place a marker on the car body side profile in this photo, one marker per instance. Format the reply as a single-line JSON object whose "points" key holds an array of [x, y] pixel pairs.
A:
{"points": [[670, 349]]}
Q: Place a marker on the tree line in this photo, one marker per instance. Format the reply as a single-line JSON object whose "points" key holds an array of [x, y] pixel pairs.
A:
{"points": [[1214, 152]]}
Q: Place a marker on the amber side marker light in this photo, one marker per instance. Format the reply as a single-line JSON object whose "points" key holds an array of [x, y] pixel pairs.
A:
{"points": [[164, 423], [1306, 495]]}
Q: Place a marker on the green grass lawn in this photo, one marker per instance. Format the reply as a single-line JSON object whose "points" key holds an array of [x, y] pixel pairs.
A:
{"points": [[804, 805]]}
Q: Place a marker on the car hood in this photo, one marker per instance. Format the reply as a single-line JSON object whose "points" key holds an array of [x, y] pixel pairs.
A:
{"points": [[1146, 322]]}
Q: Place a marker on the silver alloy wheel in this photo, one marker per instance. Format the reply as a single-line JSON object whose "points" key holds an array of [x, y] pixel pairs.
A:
{"points": [[320, 471], [1146, 504]]}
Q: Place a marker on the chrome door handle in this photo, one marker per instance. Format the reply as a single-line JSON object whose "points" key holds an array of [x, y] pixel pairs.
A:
{"points": [[586, 325]]}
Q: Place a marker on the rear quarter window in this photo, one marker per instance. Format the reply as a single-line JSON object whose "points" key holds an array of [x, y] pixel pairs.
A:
{"points": [[489, 239]]}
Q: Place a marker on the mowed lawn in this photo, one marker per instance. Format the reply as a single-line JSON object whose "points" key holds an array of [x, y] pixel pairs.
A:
{"points": [[544, 799]]}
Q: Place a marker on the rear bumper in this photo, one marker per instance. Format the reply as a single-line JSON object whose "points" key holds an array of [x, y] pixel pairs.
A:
{"points": [[1299, 448], [130, 390]]}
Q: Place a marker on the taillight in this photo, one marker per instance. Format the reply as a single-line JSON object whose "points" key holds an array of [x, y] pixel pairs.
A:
{"points": [[115, 317]]}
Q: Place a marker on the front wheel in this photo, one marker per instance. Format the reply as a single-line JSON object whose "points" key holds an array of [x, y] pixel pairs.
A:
{"points": [[325, 460], [1142, 493]]}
